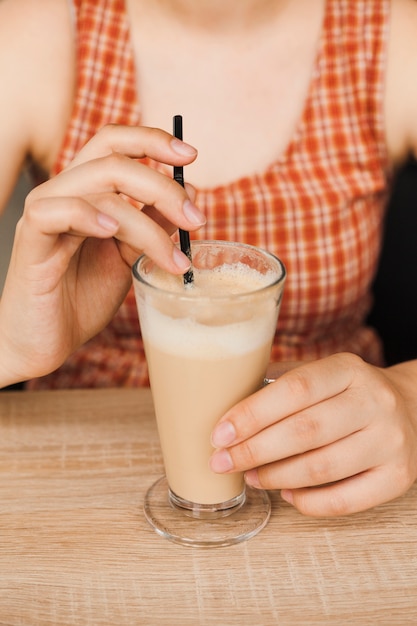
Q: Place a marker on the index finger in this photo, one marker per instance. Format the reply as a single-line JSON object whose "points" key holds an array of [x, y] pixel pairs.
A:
{"points": [[136, 142], [294, 391]]}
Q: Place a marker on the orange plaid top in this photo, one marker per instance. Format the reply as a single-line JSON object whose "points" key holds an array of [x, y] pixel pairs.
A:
{"points": [[319, 206]]}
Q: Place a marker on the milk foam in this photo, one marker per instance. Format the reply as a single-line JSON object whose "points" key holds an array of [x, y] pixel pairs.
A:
{"points": [[251, 327], [220, 281]]}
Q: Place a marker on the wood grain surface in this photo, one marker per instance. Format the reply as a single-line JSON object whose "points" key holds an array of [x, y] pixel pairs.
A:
{"points": [[75, 548]]}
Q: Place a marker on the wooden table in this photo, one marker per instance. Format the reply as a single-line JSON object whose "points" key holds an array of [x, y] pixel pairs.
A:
{"points": [[75, 547]]}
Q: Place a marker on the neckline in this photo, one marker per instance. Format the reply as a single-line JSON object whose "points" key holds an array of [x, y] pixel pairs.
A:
{"points": [[299, 127]]}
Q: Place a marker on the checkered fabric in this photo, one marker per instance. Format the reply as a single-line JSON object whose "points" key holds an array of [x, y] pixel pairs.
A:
{"points": [[319, 206]]}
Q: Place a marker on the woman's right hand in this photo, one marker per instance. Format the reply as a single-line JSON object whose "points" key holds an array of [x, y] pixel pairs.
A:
{"points": [[80, 233]]}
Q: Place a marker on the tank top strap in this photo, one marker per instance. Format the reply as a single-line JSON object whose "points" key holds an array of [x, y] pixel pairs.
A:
{"points": [[105, 89], [355, 36]]}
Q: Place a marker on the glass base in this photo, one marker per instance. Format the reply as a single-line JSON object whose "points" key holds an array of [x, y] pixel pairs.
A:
{"points": [[206, 511], [178, 526]]}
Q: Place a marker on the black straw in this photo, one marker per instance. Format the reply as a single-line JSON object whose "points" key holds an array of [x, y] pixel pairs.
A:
{"points": [[179, 177]]}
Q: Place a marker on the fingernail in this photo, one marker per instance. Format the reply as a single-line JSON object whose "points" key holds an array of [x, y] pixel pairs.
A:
{"points": [[223, 435], [193, 215], [180, 147], [252, 478], [221, 461], [286, 495], [107, 222], [181, 260]]}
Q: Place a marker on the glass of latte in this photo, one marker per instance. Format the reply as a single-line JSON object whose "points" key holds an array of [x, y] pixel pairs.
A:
{"points": [[207, 346]]}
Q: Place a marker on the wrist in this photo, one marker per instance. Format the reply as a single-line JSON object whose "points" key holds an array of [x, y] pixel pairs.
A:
{"points": [[404, 377], [8, 375], [9, 370]]}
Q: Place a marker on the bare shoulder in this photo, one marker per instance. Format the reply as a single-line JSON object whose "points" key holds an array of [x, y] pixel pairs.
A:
{"points": [[401, 83], [24, 13], [37, 73]]}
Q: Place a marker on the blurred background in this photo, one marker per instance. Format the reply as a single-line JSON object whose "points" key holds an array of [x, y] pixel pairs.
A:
{"points": [[8, 222], [395, 288]]}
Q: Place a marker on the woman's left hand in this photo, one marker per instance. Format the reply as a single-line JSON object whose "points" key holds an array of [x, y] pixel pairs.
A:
{"points": [[337, 435]]}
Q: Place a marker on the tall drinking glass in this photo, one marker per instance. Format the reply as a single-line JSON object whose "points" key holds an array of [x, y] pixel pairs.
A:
{"points": [[207, 346]]}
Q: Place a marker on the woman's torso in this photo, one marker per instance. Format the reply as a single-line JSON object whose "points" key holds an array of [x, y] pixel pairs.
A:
{"points": [[318, 205]]}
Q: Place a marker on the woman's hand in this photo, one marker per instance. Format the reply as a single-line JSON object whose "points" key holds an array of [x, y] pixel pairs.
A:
{"points": [[77, 239], [337, 435]]}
